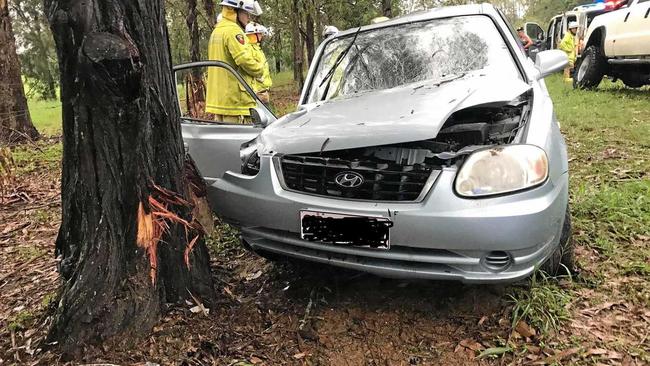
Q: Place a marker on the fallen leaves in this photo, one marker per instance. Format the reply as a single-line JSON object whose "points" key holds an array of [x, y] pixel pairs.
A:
{"points": [[561, 356], [525, 330]]}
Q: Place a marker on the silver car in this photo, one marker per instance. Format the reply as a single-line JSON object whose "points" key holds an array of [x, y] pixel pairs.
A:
{"points": [[422, 147]]}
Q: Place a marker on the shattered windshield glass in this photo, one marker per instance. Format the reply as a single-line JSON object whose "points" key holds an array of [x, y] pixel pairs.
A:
{"points": [[436, 50]]}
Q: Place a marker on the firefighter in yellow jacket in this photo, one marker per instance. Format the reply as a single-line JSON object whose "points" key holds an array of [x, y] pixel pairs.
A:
{"points": [[262, 85], [226, 98], [569, 46]]}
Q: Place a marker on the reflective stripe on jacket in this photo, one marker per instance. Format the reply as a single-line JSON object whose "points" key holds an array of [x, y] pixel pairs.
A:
{"points": [[225, 95]]}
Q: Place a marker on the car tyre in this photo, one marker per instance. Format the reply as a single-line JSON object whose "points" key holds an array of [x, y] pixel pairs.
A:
{"points": [[563, 258], [590, 70]]}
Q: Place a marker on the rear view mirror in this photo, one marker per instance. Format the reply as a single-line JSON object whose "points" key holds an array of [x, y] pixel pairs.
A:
{"points": [[260, 119], [550, 62]]}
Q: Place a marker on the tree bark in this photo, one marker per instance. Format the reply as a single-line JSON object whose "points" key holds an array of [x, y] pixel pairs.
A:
{"points": [[123, 180], [195, 87], [309, 32], [193, 28], [387, 8], [297, 45], [15, 122], [211, 13], [278, 51]]}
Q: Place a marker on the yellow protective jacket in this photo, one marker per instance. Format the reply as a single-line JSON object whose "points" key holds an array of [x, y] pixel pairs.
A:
{"points": [[264, 82], [225, 95], [568, 45]]}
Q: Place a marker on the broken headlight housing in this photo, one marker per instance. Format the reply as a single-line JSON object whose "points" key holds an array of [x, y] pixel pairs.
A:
{"points": [[500, 170], [250, 158]]}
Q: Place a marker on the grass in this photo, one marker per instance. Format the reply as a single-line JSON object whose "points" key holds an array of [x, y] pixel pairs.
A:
{"points": [[283, 78], [46, 116], [29, 158], [608, 136], [22, 320], [541, 305]]}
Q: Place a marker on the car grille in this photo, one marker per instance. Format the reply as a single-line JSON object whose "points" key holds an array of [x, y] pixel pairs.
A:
{"points": [[382, 181]]}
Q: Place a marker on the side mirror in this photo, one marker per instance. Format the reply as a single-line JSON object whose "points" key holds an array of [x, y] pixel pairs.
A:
{"points": [[550, 62], [260, 119], [541, 36]]}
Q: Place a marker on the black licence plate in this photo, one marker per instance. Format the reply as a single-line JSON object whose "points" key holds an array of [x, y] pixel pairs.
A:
{"points": [[345, 230]]}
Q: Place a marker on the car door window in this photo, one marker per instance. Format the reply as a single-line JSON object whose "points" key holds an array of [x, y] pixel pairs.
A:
{"points": [[209, 89], [213, 143], [549, 35], [534, 31]]}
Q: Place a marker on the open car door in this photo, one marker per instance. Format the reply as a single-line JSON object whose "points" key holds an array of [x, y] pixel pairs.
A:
{"points": [[534, 31], [214, 146]]}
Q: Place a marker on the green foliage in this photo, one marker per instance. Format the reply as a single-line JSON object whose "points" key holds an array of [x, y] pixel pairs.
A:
{"points": [[36, 49], [28, 253], [541, 11], [48, 300], [225, 238], [179, 35], [542, 304], [22, 320]]}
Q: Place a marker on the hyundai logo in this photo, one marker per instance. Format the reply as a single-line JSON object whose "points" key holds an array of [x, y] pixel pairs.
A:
{"points": [[349, 179]]}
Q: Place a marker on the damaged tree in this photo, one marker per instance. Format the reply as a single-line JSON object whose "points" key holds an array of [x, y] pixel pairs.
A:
{"points": [[128, 242], [15, 122]]}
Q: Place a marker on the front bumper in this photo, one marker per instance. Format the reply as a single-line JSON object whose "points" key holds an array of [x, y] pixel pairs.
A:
{"points": [[443, 237]]}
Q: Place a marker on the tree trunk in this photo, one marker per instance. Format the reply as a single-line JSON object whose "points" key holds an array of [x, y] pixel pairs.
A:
{"points": [[319, 21], [297, 45], [193, 28], [278, 51], [123, 180], [211, 13], [195, 87], [50, 94], [15, 122], [309, 32], [387, 8]]}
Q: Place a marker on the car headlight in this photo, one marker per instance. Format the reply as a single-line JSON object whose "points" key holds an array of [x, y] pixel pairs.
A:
{"points": [[250, 158], [502, 169]]}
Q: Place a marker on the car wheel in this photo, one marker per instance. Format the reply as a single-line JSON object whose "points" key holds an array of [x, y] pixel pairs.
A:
{"points": [[563, 258], [590, 70]]}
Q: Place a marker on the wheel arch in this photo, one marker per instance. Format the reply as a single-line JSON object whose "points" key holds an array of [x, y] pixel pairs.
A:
{"points": [[597, 38]]}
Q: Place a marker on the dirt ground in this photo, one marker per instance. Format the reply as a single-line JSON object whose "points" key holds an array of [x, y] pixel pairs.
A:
{"points": [[292, 314]]}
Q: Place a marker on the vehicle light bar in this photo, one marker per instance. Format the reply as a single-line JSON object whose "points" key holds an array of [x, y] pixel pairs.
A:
{"points": [[614, 4]]}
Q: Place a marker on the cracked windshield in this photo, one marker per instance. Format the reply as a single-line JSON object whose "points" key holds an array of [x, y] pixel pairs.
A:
{"points": [[424, 51]]}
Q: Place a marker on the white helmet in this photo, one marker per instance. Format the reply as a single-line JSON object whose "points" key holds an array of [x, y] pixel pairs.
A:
{"points": [[256, 28], [329, 31], [250, 6], [573, 25]]}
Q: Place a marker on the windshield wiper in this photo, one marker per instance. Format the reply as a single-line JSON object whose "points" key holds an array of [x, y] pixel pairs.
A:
{"points": [[328, 76]]}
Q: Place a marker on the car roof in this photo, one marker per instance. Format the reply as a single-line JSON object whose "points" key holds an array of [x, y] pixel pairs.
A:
{"points": [[435, 13]]}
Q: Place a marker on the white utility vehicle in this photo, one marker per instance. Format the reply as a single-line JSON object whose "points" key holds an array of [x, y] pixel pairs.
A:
{"points": [[617, 44]]}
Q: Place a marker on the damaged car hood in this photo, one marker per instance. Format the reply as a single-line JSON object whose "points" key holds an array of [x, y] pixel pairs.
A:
{"points": [[406, 114]]}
